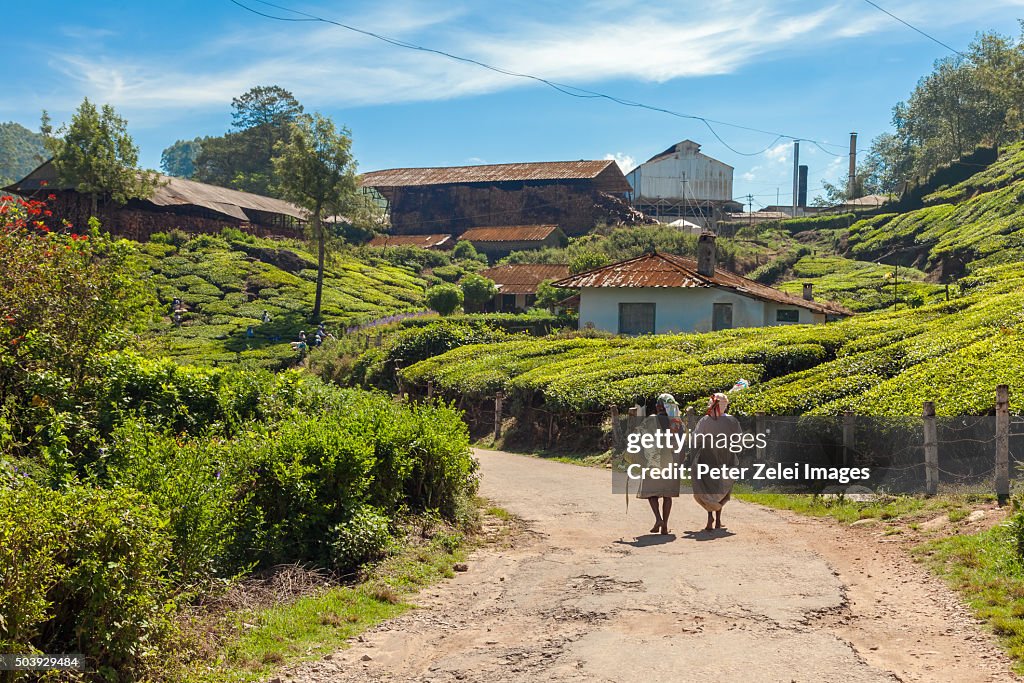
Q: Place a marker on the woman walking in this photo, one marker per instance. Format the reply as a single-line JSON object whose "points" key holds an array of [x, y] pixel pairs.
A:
{"points": [[666, 489], [713, 493]]}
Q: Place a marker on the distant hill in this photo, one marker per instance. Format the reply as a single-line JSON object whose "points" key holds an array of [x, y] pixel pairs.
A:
{"points": [[21, 150]]}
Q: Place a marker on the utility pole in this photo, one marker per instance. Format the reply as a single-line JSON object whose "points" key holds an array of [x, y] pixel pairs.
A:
{"points": [[851, 183], [750, 210], [796, 174]]}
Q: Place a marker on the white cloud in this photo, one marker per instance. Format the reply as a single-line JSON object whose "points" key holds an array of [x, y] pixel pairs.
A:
{"points": [[582, 43], [626, 162]]}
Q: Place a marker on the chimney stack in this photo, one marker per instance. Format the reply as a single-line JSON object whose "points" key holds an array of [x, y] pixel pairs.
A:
{"points": [[802, 188], [809, 291], [706, 256]]}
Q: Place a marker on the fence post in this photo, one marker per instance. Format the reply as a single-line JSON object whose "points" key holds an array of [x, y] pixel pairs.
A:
{"points": [[931, 449], [616, 426], [1003, 444], [430, 389], [631, 420], [498, 397], [377, 340], [849, 426]]}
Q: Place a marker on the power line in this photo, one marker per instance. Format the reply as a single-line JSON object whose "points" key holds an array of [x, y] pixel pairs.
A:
{"points": [[564, 88], [914, 28]]}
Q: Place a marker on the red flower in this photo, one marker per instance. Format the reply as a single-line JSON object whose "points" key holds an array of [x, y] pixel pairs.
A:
{"points": [[51, 197], [44, 183]]}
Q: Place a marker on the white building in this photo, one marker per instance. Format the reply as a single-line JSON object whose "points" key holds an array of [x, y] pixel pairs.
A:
{"points": [[682, 182], [661, 293]]}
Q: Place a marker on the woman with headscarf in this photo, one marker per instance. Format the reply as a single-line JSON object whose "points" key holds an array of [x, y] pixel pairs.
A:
{"points": [[667, 418], [713, 493]]}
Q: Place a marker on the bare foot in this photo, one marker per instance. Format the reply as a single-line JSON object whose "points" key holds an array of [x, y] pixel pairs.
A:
{"points": [[654, 529], [709, 528], [664, 529], [718, 525]]}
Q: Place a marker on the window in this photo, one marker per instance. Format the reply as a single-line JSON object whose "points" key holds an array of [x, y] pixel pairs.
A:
{"points": [[636, 318], [787, 315], [721, 318], [508, 302]]}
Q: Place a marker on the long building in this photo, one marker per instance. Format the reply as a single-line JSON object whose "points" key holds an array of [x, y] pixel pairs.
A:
{"points": [[681, 182], [574, 195], [175, 203]]}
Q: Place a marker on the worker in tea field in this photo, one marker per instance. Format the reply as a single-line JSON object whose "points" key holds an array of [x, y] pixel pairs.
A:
{"points": [[710, 492], [667, 418]]}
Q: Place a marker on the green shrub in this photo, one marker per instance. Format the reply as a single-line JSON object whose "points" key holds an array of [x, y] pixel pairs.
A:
{"points": [[445, 299], [82, 571], [364, 537]]}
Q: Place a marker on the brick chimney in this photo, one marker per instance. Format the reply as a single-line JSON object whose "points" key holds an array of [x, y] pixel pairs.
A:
{"points": [[809, 291], [706, 255]]}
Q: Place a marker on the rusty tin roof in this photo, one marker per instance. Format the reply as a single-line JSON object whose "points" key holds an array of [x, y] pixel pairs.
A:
{"points": [[667, 270], [509, 233], [523, 278], [612, 180]]}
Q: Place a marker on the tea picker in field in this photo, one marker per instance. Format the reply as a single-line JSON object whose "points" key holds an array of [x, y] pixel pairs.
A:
{"points": [[666, 489], [713, 493]]}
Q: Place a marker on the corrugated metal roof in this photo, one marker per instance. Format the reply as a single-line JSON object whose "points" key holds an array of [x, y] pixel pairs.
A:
{"points": [[422, 241], [494, 173], [511, 233], [667, 270], [523, 278], [179, 192]]}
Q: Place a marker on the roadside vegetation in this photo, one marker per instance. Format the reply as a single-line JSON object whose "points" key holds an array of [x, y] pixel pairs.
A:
{"points": [[137, 490]]}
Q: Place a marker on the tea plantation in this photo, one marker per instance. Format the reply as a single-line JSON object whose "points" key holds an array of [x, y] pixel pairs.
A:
{"points": [[227, 281]]}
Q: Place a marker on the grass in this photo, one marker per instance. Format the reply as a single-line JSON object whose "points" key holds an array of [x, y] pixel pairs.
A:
{"points": [[263, 640], [985, 569], [902, 509]]}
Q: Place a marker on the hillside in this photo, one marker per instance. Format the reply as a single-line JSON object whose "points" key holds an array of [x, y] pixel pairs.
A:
{"points": [[977, 222], [21, 150], [227, 281], [881, 362]]}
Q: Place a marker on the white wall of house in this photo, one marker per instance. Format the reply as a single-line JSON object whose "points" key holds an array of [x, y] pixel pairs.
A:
{"points": [[681, 309]]}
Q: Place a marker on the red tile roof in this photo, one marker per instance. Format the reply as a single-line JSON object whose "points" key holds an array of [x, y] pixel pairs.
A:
{"points": [[422, 241], [511, 233], [523, 278], [667, 270], [612, 180]]}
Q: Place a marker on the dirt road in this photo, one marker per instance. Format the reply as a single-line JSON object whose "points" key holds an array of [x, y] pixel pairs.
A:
{"points": [[590, 596]]}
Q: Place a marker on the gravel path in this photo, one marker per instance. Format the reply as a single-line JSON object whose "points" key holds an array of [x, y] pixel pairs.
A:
{"points": [[588, 595]]}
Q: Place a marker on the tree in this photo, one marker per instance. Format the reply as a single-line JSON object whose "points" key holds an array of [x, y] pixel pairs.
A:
{"points": [[588, 260], [315, 169], [180, 158], [96, 155], [264, 106], [242, 158], [477, 291], [548, 295], [65, 298], [445, 299], [464, 251]]}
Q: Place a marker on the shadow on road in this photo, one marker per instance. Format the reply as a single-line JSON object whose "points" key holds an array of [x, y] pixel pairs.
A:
{"points": [[648, 540], [705, 535]]}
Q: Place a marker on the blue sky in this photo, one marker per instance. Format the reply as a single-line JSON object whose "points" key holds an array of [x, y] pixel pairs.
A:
{"points": [[816, 70]]}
